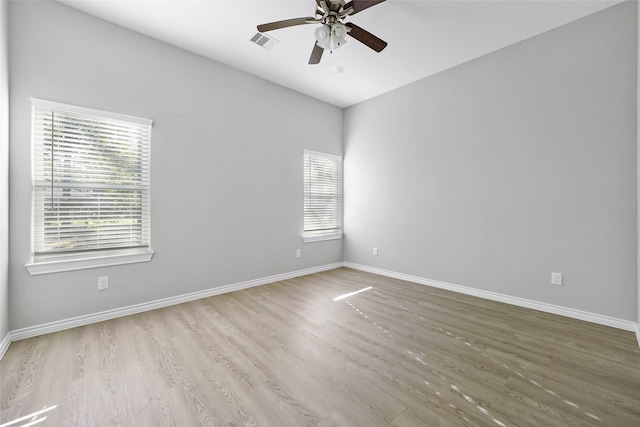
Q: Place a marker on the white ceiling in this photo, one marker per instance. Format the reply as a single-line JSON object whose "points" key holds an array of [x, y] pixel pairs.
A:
{"points": [[425, 37]]}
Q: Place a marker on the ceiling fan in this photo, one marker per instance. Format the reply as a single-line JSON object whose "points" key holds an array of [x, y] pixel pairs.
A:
{"points": [[333, 30]]}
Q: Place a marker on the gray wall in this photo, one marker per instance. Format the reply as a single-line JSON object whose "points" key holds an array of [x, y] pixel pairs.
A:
{"points": [[495, 173], [226, 177], [4, 173]]}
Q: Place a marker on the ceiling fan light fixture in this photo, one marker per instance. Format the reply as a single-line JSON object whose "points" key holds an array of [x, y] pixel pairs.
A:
{"points": [[339, 31], [323, 34], [338, 34], [331, 37]]}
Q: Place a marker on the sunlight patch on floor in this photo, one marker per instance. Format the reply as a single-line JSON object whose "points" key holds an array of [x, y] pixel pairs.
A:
{"points": [[338, 298], [31, 419]]}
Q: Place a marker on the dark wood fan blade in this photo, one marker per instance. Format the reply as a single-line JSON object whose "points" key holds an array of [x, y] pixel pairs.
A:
{"points": [[263, 28], [360, 5], [316, 54], [365, 37]]}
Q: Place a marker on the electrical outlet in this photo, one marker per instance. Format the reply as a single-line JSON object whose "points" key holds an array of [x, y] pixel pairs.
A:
{"points": [[556, 279], [103, 283], [375, 251], [298, 253]]}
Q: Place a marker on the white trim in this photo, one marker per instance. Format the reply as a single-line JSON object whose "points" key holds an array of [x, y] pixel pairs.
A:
{"points": [[59, 106], [520, 302], [638, 333], [58, 266], [4, 344], [74, 322], [319, 154], [321, 237]]}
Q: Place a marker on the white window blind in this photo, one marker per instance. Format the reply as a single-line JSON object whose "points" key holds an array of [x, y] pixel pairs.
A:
{"points": [[90, 181], [322, 196]]}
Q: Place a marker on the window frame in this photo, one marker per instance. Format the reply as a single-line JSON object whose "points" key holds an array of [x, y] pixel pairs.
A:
{"points": [[87, 257], [334, 233]]}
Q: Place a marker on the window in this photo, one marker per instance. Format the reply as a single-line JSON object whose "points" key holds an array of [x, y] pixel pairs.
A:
{"points": [[90, 188], [322, 196]]}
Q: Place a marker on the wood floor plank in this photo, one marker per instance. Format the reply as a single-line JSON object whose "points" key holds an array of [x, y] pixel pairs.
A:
{"points": [[287, 354]]}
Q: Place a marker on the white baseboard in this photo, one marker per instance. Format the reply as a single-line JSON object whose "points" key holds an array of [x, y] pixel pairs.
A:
{"points": [[60, 325], [520, 302], [4, 345], [638, 333]]}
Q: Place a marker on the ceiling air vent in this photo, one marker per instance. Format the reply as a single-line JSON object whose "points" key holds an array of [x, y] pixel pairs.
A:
{"points": [[264, 40]]}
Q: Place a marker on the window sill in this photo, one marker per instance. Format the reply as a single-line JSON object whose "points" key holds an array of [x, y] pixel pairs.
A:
{"points": [[321, 237], [59, 265]]}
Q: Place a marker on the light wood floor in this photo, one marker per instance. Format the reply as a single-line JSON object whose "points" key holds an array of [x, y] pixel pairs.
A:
{"points": [[286, 354]]}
